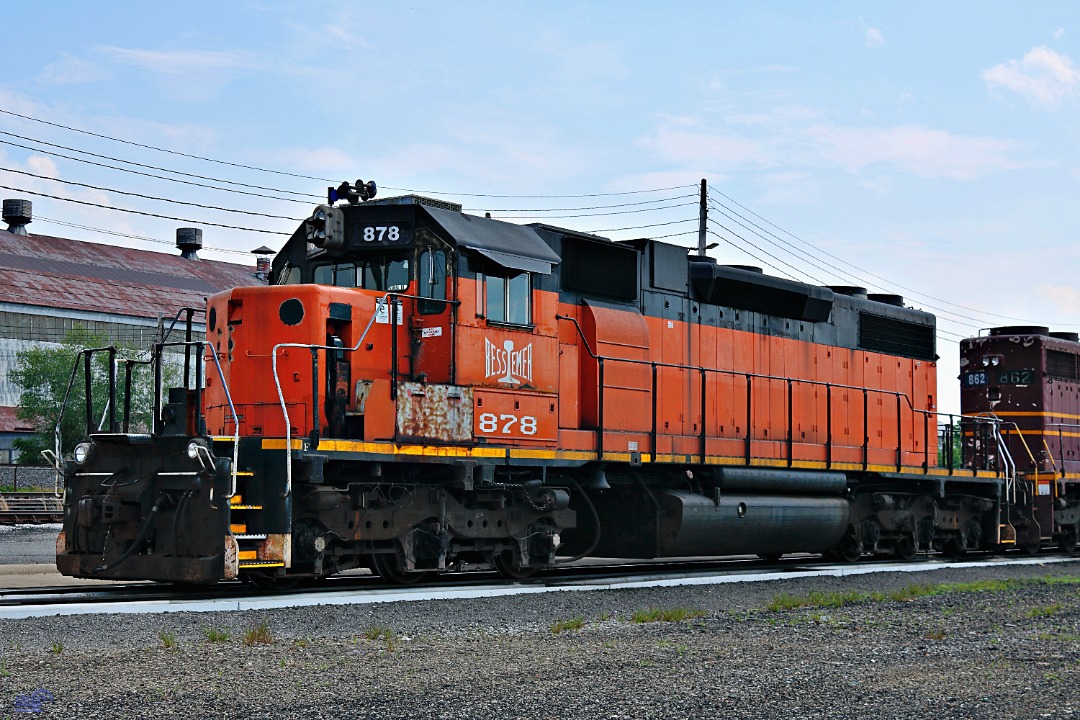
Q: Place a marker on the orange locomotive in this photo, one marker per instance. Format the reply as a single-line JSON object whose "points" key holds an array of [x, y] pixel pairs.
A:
{"points": [[419, 390]]}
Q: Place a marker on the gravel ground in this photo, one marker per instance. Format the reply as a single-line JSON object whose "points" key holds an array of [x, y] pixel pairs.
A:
{"points": [[27, 544], [1009, 653]]}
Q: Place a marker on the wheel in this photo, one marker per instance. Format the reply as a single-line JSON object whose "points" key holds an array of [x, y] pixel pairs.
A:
{"points": [[385, 565], [953, 548], [849, 548], [905, 547], [1032, 547], [1067, 543], [505, 566]]}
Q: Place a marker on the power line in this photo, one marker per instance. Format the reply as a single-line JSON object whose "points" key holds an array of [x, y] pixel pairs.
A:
{"points": [[130, 236], [618, 212], [151, 175], [150, 197], [848, 277], [640, 227], [894, 284], [766, 252], [140, 212], [151, 167], [287, 173], [591, 207], [159, 149]]}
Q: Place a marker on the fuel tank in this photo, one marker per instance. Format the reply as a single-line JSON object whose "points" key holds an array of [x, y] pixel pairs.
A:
{"points": [[680, 523]]}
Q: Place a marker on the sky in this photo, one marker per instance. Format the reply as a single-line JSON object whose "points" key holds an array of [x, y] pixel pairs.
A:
{"points": [[919, 148]]}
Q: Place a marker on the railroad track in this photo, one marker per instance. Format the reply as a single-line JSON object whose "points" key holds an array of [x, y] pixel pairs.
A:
{"points": [[30, 507], [360, 588]]}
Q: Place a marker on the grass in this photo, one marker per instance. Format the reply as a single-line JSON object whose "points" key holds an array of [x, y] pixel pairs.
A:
{"points": [[574, 623], [258, 634], [672, 615], [215, 636], [381, 632], [1045, 610], [56, 648], [378, 632], [819, 599], [4, 672], [168, 640]]}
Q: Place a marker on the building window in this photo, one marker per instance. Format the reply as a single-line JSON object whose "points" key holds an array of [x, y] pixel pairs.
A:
{"points": [[509, 298]]}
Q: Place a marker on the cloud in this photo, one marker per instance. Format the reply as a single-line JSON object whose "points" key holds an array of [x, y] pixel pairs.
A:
{"points": [[71, 70], [1043, 77], [921, 151], [874, 38], [796, 139], [178, 62], [1062, 299], [686, 143], [1059, 33]]}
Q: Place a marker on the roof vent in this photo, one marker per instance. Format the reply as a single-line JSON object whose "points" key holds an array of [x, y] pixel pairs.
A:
{"points": [[17, 214], [850, 290], [189, 240]]}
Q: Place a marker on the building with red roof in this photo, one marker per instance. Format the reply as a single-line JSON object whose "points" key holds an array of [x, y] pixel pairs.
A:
{"points": [[49, 285]]}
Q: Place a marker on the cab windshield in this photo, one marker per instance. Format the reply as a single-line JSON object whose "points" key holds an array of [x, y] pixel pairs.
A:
{"points": [[377, 273]]}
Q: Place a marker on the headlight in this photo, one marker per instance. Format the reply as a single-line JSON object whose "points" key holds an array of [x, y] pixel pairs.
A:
{"points": [[986, 361], [995, 361], [82, 453]]}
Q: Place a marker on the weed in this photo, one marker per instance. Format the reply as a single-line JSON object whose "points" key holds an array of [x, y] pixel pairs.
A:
{"points": [[4, 672], [304, 642], [1045, 610], [215, 636], [56, 648], [1052, 677], [936, 634], [258, 634], [658, 615], [168, 640], [604, 616], [575, 623], [787, 601], [376, 632]]}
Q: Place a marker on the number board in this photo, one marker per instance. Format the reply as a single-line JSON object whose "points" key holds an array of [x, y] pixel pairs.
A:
{"points": [[381, 236], [976, 378], [508, 415], [1014, 377]]}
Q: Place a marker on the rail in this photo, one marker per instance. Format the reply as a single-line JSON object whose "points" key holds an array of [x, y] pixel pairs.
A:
{"points": [[900, 397], [86, 356]]}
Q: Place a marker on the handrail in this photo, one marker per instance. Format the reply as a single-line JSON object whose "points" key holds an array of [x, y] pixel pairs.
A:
{"points": [[201, 424], [384, 301], [866, 391]]}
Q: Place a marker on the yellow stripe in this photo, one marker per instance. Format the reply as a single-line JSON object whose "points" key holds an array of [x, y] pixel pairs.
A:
{"points": [[1036, 413], [248, 555], [1048, 433], [244, 566], [238, 528], [383, 448]]}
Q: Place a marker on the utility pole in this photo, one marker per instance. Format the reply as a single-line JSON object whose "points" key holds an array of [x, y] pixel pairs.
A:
{"points": [[703, 215]]}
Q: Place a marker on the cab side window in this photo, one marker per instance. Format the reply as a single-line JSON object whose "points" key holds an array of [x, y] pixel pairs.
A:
{"points": [[508, 297], [432, 281]]}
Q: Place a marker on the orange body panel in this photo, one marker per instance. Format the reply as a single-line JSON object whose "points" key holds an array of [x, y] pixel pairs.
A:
{"points": [[718, 391]]}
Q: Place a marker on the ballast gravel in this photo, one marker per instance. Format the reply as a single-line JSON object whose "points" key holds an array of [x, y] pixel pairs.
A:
{"points": [[967, 652]]}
